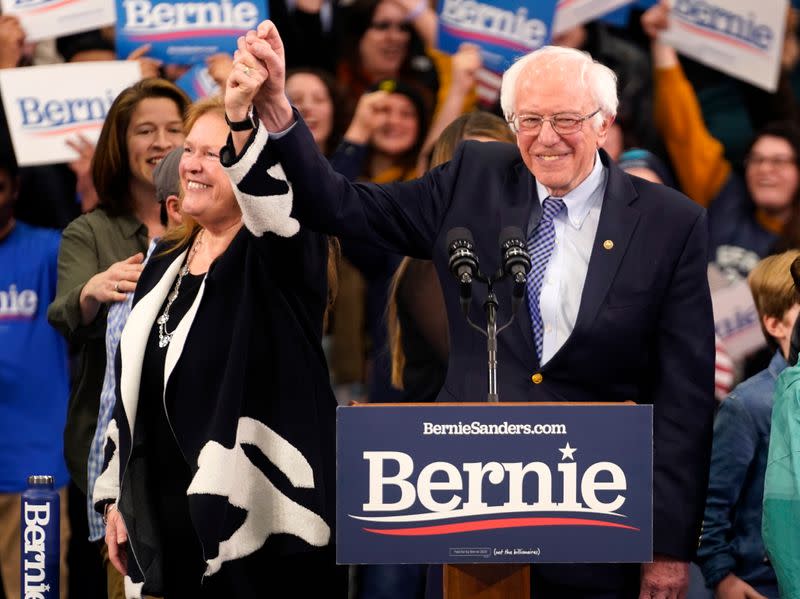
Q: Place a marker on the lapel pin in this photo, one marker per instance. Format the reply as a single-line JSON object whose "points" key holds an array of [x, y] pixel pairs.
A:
{"points": [[608, 244]]}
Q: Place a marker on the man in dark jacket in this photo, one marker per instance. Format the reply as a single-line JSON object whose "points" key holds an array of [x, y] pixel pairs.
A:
{"points": [[618, 300]]}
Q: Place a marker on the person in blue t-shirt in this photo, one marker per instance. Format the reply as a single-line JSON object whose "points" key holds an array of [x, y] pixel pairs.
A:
{"points": [[34, 382]]}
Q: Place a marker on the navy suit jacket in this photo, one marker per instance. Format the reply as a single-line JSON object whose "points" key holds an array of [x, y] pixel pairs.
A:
{"points": [[644, 330]]}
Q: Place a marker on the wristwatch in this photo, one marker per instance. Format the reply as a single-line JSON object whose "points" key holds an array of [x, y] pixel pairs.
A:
{"points": [[249, 122]]}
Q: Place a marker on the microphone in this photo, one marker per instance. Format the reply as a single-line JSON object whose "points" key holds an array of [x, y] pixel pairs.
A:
{"points": [[463, 262], [515, 259]]}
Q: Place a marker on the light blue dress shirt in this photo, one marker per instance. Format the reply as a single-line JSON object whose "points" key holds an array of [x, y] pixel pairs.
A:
{"points": [[118, 313], [575, 229]]}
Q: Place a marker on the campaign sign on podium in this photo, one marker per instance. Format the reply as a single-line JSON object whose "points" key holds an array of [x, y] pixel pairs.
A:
{"points": [[485, 483]]}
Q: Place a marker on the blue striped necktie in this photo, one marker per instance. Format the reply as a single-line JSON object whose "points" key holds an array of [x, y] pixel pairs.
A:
{"points": [[540, 246]]}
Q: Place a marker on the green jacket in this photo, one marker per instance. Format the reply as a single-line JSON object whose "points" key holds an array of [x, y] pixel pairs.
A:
{"points": [[90, 244], [780, 526]]}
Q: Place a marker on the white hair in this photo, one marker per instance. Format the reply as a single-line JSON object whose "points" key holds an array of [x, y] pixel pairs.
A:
{"points": [[600, 81]]}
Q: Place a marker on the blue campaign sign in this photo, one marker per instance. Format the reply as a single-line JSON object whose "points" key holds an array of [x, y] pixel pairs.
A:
{"points": [[504, 29], [618, 18], [494, 483], [198, 83], [185, 32]]}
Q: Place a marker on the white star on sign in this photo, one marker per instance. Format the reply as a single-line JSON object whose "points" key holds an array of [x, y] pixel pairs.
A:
{"points": [[566, 452]]}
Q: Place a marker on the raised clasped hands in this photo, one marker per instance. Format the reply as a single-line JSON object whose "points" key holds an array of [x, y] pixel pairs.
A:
{"points": [[258, 79]]}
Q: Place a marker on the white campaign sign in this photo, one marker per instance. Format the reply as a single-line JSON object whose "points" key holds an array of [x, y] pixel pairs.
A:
{"points": [[47, 105], [45, 19], [736, 320], [571, 13], [743, 38]]}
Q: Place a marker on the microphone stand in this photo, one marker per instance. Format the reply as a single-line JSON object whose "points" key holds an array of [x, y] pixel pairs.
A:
{"points": [[463, 263], [490, 306]]}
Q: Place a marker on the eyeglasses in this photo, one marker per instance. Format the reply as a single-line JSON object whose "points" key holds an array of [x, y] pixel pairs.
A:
{"points": [[387, 25], [563, 124], [757, 160]]}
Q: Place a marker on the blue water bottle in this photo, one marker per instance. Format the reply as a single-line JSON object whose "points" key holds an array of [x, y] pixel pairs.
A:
{"points": [[41, 542]]}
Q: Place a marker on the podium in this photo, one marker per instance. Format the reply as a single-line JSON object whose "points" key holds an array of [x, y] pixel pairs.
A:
{"points": [[485, 489], [489, 581]]}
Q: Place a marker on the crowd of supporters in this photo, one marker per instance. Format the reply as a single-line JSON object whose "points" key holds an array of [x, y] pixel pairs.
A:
{"points": [[377, 95]]}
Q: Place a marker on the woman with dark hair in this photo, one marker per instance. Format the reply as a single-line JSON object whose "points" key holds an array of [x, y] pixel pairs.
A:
{"points": [[101, 252], [220, 457], [358, 346], [318, 97], [379, 41], [395, 145], [748, 216]]}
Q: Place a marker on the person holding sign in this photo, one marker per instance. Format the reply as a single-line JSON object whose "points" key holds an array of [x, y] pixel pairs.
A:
{"points": [[624, 312], [750, 216]]}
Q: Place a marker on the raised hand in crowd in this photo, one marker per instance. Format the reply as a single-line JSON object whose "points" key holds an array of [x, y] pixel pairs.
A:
{"points": [[148, 65], [424, 19], [82, 167], [370, 114], [466, 62], [219, 67], [111, 285], [12, 41], [655, 20], [791, 45], [463, 69]]}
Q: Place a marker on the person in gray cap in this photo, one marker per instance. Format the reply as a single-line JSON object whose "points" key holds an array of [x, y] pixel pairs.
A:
{"points": [[168, 187], [165, 176]]}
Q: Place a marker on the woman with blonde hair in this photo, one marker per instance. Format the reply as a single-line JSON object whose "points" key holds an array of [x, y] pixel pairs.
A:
{"points": [[220, 457]]}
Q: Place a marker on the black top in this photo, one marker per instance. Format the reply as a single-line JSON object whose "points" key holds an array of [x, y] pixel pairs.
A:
{"points": [[168, 469], [423, 322], [251, 358]]}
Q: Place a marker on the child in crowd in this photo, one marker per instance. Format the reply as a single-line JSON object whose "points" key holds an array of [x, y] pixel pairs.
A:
{"points": [[731, 552], [782, 477]]}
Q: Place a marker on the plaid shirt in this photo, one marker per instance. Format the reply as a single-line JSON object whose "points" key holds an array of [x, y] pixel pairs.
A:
{"points": [[117, 317]]}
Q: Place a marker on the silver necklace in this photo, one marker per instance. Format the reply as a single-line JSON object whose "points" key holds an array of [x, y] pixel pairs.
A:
{"points": [[164, 336]]}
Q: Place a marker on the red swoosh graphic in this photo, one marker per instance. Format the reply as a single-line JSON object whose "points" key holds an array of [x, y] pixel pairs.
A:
{"points": [[49, 7], [480, 37], [446, 529], [179, 35], [721, 37], [73, 129]]}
